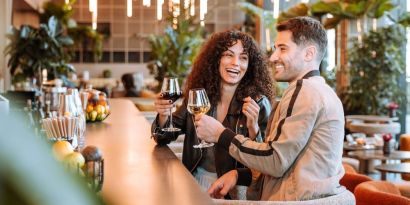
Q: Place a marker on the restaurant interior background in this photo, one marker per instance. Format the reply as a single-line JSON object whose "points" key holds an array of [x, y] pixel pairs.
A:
{"points": [[368, 83], [125, 45]]}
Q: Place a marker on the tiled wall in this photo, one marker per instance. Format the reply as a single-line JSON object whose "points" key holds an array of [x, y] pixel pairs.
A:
{"points": [[127, 43]]}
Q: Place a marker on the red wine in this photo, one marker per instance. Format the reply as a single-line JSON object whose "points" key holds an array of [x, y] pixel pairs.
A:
{"points": [[171, 96]]}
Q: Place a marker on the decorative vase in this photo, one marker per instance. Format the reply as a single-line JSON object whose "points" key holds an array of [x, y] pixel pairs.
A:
{"points": [[387, 147]]}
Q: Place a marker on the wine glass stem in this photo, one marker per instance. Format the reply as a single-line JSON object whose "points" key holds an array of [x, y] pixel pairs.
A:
{"points": [[170, 119], [193, 120]]}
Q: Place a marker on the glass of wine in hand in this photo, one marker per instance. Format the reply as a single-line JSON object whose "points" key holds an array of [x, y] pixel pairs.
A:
{"points": [[170, 91], [198, 103]]}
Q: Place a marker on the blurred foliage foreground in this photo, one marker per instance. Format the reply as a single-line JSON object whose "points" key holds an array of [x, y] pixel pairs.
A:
{"points": [[30, 175]]}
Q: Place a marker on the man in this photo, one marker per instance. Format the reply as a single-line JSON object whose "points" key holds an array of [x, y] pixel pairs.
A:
{"points": [[301, 158]]}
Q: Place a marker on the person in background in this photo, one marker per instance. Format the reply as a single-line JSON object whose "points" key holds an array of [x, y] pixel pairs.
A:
{"points": [[133, 85], [301, 158], [233, 72]]}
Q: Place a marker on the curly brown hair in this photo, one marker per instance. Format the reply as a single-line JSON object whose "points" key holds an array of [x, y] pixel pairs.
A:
{"points": [[205, 71]]}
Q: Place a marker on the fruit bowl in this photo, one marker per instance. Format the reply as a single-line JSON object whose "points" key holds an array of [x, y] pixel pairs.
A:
{"points": [[97, 108]]}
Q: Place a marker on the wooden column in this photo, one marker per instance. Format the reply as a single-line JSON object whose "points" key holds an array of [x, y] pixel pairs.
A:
{"points": [[5, 23], [258, 24], [341, 56]]}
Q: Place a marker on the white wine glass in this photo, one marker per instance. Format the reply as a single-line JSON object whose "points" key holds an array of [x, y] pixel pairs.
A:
{"points": [[170, 91], [198, 103]]}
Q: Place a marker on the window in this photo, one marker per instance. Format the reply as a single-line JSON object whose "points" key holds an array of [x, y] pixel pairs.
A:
{"points": [[331, 49]]}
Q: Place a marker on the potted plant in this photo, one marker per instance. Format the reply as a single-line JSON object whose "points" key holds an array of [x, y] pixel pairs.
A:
{"points": [[375, 66], [173, 52], [33, 49], [84, 37]]}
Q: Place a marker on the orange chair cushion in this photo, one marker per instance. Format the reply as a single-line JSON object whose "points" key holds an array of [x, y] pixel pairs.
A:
{"points": [[351, 180], [349, 168], [378, 192], [405, 146]]}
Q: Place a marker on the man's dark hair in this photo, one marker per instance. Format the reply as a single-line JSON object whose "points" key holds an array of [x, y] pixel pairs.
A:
{"points": [[306, 30]]}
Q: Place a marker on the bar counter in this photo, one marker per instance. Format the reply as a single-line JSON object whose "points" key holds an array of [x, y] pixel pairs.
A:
{"points": [[136, 171]]}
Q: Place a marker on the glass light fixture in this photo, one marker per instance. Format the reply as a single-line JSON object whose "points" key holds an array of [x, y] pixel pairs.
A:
{"points": [[146, 3], [275, 8], [129, 8], [174, 9], [192, 8], [94, 13], [91, 5], [159, 9], [203, 9]]}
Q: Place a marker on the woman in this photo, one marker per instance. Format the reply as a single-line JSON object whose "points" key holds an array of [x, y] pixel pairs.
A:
{"points": [[232, 70]]}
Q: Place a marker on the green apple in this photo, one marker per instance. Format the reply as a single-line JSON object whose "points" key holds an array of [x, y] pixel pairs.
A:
{"points": [[74, 160]]}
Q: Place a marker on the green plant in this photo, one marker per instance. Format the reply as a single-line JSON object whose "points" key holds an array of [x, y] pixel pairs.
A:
{"points": [[107, 73], [84, 36], [33, 49], [375, 67], [329, 76], [173, 52], [339, 10], [267, 19]]}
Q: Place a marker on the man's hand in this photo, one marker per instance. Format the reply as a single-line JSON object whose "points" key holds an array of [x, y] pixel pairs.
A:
{"points": [[251, 110], [208, 128], [222, 185]]}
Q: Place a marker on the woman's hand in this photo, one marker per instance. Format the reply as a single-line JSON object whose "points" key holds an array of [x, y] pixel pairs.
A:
{"points": [[251, 110], [222, 185], [163, 108]]}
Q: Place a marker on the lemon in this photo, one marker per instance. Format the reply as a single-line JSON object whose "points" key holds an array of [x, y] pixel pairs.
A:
{"points": [[61, 149]]}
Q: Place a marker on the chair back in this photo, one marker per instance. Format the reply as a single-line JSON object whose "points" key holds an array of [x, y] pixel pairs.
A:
{"points": [[351, 180], [405, 146], [349, 168], [378, 192]]}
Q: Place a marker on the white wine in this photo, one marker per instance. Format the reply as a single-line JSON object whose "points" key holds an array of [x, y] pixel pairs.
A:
{"points": [[195, 109]]}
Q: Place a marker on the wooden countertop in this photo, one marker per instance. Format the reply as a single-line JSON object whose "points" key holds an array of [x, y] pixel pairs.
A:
{"points": [[136, 171]]}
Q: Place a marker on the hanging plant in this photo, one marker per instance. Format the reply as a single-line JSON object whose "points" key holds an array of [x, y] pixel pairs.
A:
{"points": [[339, 10]]}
